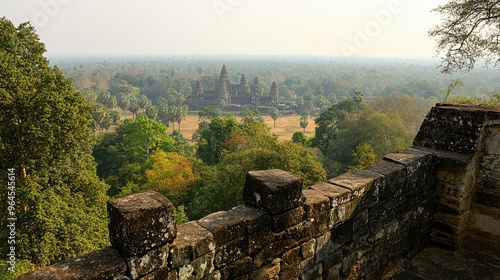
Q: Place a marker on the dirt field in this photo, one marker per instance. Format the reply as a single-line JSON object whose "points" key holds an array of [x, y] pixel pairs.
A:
{"points": [[285, 126]]}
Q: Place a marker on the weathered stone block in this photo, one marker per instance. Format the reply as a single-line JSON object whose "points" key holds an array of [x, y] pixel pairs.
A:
{"points": [[267, 254], [236, 269], [489, 181], [213, 276], [343, 212], [291, 264], [315, 202], [319, 225], [337, 194], [458, 222], [452, 174], [413, 160], [255, 219], [486, 223], [330, 255], [394, 174], [491, 162], [224, 226], [487, 199], [460, 191], [333, 272], [451, 204], [192, 242], [312, 271], [343, 233], [231, 251], [451, 128], [358, 182], [492, 142], [297, 233], [162, 274], [308, 249], [259, 240], [198, 268], [103, 264], [140, 222], [287, 219], [379, 218], [274, 191], [149, 262], [270, 271], [361, 219], [348, 262]]}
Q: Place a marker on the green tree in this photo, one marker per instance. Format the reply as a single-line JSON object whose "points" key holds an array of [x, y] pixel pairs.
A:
{"points": [[300, 137], [151, 112], [143, 102], [178, 113], [99, 113], [46, 139], [364, 157], [469, 32], [121, 156], [170, 174], [143, 135], [319, 90], [124, 102], [106, 99], [327, 122], [134, 107], [206, 115], [163, 111], [250, 115], [304, 122], [275, 114], [115, 116], [382, 132], [213, 137], [320, 102]]}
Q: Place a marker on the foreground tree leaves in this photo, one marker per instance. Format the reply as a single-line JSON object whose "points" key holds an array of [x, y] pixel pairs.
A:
{"points": [[45, 137], [469, 32]]}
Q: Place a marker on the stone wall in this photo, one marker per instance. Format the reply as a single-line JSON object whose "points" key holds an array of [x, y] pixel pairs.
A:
{"points": [[353, 226], [465, 141]]}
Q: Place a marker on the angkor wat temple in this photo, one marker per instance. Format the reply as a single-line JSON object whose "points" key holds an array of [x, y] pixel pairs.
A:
{"points": [[226, 93]]}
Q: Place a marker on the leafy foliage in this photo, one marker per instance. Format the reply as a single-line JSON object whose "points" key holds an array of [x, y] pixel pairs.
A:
{"points": [[121, 156], [364, 157], [469, 32], [250, 146], [383, 125], [213, 137], [170, 174], [45, 136]]}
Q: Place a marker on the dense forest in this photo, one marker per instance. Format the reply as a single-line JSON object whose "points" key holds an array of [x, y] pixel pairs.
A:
{"points": [[361, 110], [80, 130]]}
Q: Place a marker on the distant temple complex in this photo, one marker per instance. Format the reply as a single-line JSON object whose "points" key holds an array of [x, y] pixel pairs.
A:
{"points": [[226, 93]]}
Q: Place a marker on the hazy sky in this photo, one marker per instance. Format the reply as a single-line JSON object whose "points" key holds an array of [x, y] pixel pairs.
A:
{"points": [[390, 28]]}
